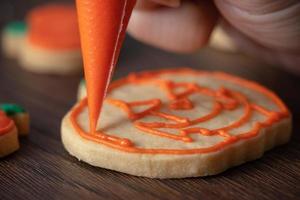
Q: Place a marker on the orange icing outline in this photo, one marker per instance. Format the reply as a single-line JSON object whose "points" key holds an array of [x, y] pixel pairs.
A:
{"points": [[233, 99], [6, 124]]}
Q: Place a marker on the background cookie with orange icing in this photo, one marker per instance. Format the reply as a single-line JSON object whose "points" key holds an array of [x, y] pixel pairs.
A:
{"points": [[48, 42], [178, 123], [14, 121], [9, 142], [52, 43], [19, 115], [13, 36]]}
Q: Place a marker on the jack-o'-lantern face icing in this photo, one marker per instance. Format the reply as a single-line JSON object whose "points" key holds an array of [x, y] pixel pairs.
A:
{"points": [[180, 112]]}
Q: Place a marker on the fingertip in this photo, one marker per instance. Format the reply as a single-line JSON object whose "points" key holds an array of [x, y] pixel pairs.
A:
{"points": [[150, 34], [182, 30]]}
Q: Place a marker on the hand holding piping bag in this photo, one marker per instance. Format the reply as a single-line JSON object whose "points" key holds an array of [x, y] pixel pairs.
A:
{"points": [[265, 29], [102, 26]]}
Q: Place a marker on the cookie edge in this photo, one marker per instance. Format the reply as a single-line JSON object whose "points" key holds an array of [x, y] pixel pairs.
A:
{"points": [[174, 166]]}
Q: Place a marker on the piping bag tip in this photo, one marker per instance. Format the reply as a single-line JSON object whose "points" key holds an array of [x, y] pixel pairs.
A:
{"points": [[102, 26]]}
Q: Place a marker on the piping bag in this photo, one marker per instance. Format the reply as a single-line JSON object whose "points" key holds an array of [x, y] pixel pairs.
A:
{"points": [[102, 26]]}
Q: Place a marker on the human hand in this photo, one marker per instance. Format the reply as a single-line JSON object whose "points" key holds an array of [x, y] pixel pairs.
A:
{"points": [[265, 28]]}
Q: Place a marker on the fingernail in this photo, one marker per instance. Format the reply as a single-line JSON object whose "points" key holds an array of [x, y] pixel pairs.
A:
{"points": [[170, 3]]}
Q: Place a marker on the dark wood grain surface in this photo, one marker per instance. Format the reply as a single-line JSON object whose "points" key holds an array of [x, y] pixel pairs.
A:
{"points": [[42, 169]]}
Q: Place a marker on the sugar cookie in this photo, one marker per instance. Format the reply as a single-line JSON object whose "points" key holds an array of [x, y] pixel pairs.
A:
{"points": [[12, 38], [52, 43], [9, 142], [14, 121], [19, 115], [220, 40], [178, 123]]}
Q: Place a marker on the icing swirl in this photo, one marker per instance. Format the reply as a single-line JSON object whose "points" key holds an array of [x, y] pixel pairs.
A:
{"points": [[223, 99]]}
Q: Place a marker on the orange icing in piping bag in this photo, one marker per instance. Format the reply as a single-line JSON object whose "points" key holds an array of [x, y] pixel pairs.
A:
{"points": [[102, 25]]}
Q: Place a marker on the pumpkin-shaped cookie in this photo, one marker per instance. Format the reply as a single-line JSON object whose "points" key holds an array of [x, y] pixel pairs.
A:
{"points": [[178, 123]]}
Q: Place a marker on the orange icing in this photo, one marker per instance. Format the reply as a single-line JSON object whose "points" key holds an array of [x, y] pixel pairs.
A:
{"points": [[102, 27], [54, 26], [6, 124], [224, 99], [181, 104]]}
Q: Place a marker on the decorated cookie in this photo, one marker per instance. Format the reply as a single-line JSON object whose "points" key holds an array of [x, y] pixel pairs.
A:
{"points": [[19, 115], [13, 37], [178, 123], [9, 142], [52, 44]]}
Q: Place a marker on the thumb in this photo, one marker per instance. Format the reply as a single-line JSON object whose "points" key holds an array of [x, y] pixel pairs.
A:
{"points": [[272, 24]]}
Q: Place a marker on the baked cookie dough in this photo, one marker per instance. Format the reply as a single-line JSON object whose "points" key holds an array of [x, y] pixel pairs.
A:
{"points": [[220, 40], [81, 90], [178, 123], [50, 44], [19, 115], [9, 142], [12, 38], [14, 121]]}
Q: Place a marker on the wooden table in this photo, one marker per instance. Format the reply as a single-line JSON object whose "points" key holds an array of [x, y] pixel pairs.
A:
{"points": [[42, 169]]}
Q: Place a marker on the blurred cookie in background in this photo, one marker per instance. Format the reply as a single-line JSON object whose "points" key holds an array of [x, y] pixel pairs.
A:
{"points": [[12, 38], [48, 42], [14, 122], [19, 115], [220, 40]]}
